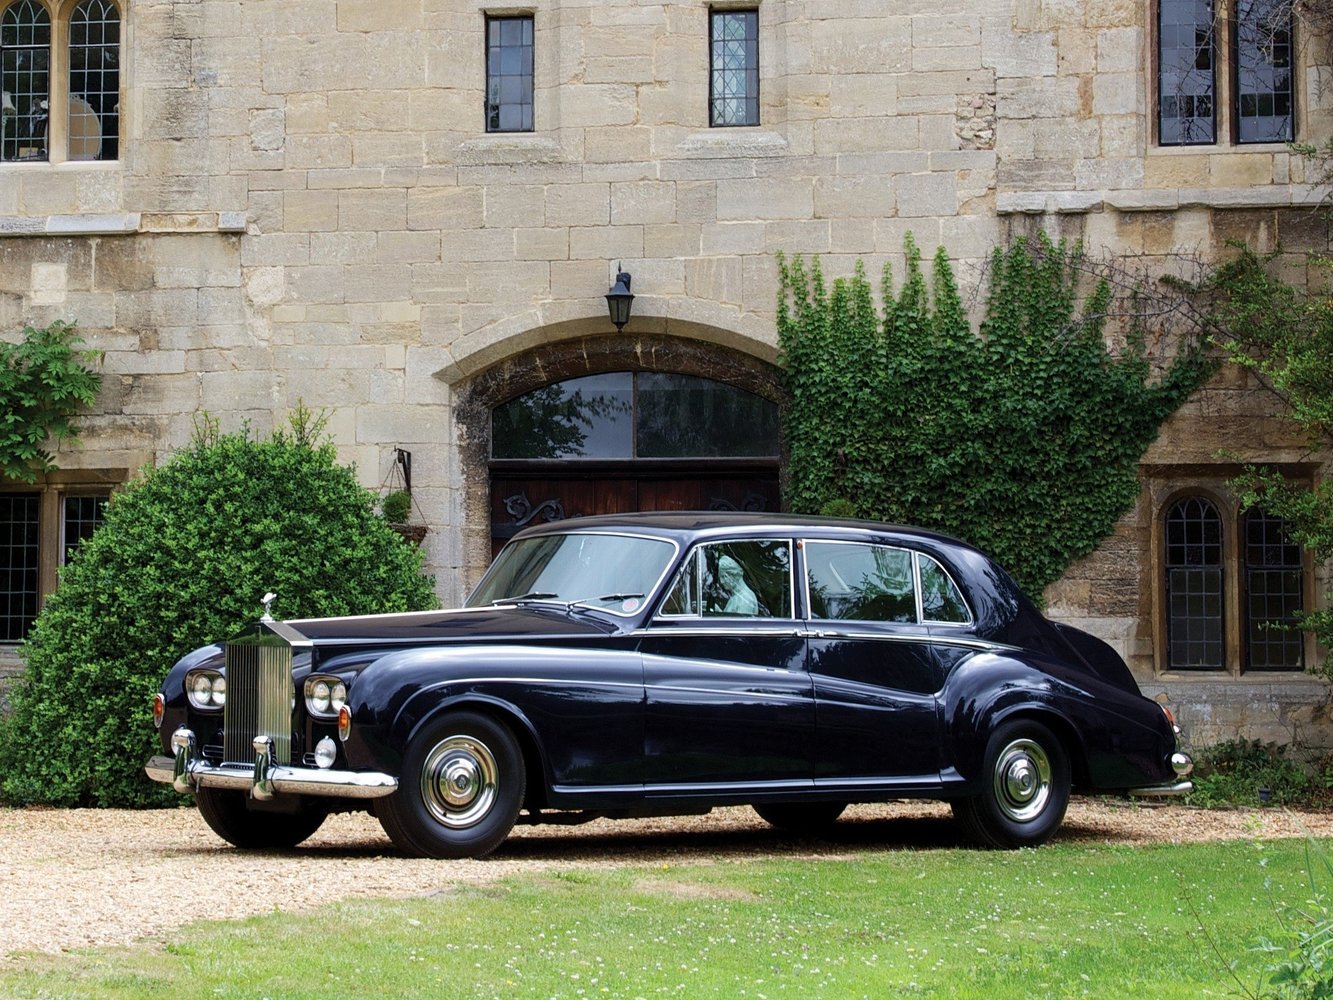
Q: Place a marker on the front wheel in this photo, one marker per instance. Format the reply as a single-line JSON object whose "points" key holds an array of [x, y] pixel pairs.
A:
{"points": [[226, 812], [1025, 788], [460, 792]]}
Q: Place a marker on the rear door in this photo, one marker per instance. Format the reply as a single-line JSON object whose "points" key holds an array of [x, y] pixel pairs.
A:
{"points": [[874, 672]]}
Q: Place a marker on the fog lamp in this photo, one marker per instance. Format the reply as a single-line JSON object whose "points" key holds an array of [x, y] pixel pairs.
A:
{"points": [[326, 752]]}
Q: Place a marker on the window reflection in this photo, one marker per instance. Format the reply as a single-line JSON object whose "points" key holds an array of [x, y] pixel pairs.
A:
{"points": [[621, 415]]}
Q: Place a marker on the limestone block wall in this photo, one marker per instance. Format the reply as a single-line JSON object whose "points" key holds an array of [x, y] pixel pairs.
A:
{"points": [[308, 207]]}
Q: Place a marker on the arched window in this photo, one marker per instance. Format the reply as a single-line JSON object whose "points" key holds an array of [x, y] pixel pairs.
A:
{"points": [[1194, 595], [25, 74], [94, 81], [1234, 584], [60, 80]]}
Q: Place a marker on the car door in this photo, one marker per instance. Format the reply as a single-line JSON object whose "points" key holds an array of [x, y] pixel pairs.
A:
{"points": [[728, 702], [871, 662]]}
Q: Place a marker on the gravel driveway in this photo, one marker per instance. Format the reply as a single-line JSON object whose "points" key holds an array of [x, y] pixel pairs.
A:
{"points": [[72, 878]]}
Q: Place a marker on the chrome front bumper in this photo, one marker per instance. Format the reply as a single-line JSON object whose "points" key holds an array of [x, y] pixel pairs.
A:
{"points": [[188, 772]]}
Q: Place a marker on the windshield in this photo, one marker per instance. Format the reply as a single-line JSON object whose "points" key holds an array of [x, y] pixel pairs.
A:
{"points": [[614, 572]]}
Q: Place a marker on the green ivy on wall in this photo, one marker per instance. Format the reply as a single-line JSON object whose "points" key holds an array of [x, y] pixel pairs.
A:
{"points": [[44, 381], [1023, 439]]}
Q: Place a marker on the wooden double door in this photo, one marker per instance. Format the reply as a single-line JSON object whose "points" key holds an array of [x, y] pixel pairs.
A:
{"points": [[520, 498]]}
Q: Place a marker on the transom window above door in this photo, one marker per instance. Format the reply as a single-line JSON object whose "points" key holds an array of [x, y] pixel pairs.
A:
{"points": [[628, 415]]}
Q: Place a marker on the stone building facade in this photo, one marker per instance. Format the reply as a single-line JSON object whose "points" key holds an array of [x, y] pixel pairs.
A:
{"points": [[407, 212]]}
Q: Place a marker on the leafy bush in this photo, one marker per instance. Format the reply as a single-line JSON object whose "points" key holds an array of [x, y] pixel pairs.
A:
{"points": [[182, 560], [396, 507], [1234, 771], [1023, 439], [44, 381]]}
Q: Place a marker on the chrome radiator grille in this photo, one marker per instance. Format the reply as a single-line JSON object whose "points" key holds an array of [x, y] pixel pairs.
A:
{"points": [[259, 699]]}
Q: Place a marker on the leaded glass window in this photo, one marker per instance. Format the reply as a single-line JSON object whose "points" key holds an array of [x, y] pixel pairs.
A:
{"points": [[94, 81], [1274, 574], [1263, 58], [627, 415], [83, 516], [1186, 76], [509, 74], [25, 62], [1194, 586], [734, 68], [19, 568]]}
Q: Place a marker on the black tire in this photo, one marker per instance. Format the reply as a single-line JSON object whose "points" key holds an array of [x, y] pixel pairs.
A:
{"points": [[1025, 788], [226, 813], [460, 791], [800, 817]]}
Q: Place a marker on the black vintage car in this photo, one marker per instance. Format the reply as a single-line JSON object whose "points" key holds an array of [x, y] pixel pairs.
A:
{"points": [[668, 663]]}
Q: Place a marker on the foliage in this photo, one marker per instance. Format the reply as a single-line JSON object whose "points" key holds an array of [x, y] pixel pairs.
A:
{"points": [[1233, 772], [1284, 335], [1300, 965], [44, 381], [182, 559], [1023, 440], [396, 506]]}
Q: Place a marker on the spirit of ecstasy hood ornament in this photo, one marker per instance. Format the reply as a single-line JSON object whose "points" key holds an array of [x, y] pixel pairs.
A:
{"points": [[267, 601]]}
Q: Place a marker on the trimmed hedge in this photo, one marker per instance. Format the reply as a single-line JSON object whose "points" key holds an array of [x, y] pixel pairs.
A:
{"points": [[182, 559]]}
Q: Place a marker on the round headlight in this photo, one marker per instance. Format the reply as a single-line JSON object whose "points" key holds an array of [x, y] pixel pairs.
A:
{"points": [[338, 696], [319, 697], [206, 689]]}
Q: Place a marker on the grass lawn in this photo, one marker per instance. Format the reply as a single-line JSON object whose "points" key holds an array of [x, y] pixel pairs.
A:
{"points": [[1062, 921]]}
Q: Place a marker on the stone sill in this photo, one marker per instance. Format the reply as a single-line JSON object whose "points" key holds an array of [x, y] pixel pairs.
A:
{"points": [[1158, 199], [509, 147], [1277, 679], [121, 224], [731, 142]]}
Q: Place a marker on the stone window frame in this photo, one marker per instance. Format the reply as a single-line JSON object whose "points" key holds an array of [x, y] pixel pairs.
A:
{"points": [[66, 120], [1225, 83], [52, 490], [1213, 487], [724, 10]]}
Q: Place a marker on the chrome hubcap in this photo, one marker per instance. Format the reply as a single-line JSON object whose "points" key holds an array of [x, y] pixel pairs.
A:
{"points": [[459, 780], [1022, 780]]}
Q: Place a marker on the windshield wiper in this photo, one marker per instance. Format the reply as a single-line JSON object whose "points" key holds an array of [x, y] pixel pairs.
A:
{"points": [[534, 595], [587, 602]]}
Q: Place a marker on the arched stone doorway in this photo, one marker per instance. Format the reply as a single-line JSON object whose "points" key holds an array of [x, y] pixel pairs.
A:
{"points": [[648, 423]]}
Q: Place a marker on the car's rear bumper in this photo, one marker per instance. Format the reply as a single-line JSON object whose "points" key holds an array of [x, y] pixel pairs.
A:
{"points": [[188, 771]]}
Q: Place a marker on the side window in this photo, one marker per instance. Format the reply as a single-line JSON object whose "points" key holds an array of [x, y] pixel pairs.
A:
{"points": [[854, 582], [749, 579], [940, 599], [25, 62]]}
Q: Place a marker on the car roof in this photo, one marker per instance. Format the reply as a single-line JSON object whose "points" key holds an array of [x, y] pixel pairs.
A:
{"points": [[681, 525]]}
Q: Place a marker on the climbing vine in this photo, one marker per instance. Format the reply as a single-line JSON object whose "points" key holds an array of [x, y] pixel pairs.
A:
{"points": [[1022, 438], [45, 379]]}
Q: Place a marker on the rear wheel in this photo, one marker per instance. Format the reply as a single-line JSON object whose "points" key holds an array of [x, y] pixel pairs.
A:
{"points": [[1025, 791], [226, 812], [461, 789], [800, 817]]}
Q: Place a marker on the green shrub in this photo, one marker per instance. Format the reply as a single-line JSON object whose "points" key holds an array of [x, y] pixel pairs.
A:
{"points": [[1233, 772], [183, 558]]}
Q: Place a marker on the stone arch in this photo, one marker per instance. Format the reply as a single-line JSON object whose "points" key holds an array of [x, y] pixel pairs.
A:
{"points": [[551, 359]]}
